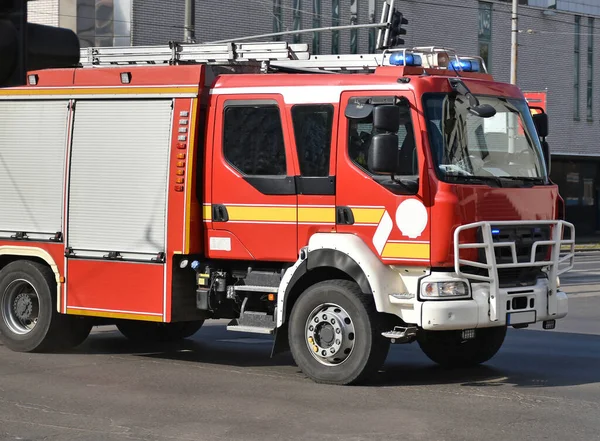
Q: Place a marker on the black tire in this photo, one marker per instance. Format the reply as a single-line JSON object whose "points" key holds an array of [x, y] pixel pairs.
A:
{"points": [[369, 349], [139, 331], [51, 330], [80, 328], [448, 349]]}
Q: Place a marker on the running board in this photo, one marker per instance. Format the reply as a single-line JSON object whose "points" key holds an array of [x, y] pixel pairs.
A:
{"points": [[251, 329]]}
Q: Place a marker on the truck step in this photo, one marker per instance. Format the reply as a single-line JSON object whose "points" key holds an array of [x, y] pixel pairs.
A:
{"points": [[255, 288], [401, 334], [251, 329]]}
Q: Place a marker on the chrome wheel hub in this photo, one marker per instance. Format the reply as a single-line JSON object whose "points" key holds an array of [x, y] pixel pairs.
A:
{"points": [[20, 307], [330, 334]]}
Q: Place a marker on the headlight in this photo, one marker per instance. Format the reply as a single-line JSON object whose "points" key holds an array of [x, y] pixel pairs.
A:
{"points": [[431, 290]]}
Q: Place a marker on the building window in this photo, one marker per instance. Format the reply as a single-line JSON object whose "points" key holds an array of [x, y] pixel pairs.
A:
{"points": [[316, 49], [313, 125], [253, 139], [335, 21], [590, 69], [104, 22], [372, 32], [577, 67], [297, 20], [485, 32], [277, 17], [354, 22]]}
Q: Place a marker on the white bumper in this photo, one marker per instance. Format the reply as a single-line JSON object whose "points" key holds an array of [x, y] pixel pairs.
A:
{"points": [[445, 315]]}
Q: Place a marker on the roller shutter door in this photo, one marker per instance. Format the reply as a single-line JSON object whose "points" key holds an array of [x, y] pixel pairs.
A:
{"points": [[119, 171], [33, 142]]}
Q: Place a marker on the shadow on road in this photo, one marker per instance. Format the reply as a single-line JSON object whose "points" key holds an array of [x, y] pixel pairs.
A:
{"points": [[529, 359]]}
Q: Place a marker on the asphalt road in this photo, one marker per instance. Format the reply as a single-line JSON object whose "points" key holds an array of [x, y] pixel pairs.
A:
{"points": [[543, 385]]}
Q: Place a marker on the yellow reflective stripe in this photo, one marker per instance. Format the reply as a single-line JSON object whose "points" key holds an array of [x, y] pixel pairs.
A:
{"points": [[395, 250], [207, 212], [264, 214], [116, 315], [316, 215], [99, 91], [367, 215]]}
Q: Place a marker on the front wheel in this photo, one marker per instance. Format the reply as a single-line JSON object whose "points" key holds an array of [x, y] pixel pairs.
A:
{"points": [[335, 333], [158, 332], [449, 349]]}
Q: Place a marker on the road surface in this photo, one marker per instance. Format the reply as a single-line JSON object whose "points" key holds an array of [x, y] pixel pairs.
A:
{"points": [[543, 385]]}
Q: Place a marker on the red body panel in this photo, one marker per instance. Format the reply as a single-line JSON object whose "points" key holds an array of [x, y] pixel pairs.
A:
{"points": [[115, 287]]}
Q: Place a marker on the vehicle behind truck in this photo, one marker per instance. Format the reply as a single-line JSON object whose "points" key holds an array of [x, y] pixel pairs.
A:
{"points": [[340, 204]]}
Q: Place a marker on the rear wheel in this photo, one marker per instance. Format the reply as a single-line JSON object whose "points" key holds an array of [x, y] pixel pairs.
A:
{"points": [[449, 349], [335, 333], [158, 332], [29, 321]]}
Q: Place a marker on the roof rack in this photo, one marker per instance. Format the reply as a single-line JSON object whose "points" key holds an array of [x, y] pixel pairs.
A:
{"points": [[278, 55]]}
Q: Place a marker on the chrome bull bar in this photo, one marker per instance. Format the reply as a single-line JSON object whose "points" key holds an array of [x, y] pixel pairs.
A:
{"points": [[559, 263]]}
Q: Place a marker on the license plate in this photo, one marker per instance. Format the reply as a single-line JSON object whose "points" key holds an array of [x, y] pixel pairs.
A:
{"points": [[520, 318]]}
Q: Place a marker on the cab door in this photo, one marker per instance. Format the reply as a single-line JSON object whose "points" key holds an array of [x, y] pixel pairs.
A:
{"points": [[253, 207], [390, 214]]}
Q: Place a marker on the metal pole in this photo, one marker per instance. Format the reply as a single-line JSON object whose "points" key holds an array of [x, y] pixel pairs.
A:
{"points": [[189, 35], [303, 31], [514, 43]]}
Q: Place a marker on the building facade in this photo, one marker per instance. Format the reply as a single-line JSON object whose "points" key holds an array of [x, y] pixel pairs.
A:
{"points": [[558, 48]]}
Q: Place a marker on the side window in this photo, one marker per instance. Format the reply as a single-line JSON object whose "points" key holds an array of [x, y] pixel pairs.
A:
{"points": [[253, 139], [313, 125], [359, 140]]}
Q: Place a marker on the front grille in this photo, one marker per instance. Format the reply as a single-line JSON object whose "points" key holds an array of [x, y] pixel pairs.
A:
{"points": [[523, 237], [511, 277]]}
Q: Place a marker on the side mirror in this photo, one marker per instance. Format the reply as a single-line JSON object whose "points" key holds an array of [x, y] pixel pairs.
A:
{"points": [[383, 154], [546, 152], [540, 121], [358, 111], [387, 118], [482, 110]]}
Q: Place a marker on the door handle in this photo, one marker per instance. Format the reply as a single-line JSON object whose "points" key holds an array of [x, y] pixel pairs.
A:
{"points": [[219, 213], [344, 216]]}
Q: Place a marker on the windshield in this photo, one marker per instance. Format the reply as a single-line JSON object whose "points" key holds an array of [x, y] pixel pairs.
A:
{"points": [[470, 148]]}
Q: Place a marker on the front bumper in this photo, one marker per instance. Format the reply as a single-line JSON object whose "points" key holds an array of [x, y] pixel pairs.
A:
{"points": [[520, 305]]}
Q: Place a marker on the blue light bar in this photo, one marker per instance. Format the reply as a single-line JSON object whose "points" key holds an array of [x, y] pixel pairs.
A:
{"points": [[397, 59], [465, 65], [495, 231]]}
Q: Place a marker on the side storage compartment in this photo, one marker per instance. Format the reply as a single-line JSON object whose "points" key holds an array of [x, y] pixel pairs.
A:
{"points": [[33, 143], [117, 208]]}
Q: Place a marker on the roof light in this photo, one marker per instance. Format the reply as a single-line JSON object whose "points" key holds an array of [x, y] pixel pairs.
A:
{"points": [[397, 59], [465, 65], [33, 79]]}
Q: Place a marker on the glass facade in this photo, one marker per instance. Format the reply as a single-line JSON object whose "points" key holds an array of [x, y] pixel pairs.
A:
{"points": [[297, 20], [277, 16], [104, 22], [335, 21], [372, 32], [590, 69], [354, 21], [485, 32], [316, 23], [576, 61]]}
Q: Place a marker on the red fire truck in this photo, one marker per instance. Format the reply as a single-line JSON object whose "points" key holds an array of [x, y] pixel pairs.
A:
{"points": [[340, 203]]}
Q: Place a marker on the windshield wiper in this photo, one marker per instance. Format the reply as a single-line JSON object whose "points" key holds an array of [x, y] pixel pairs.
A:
{"points": [[534, 180], [477, 179]]}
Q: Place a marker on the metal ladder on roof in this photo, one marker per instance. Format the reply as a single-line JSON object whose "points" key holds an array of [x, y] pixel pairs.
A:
{"points": [[188, 53]]}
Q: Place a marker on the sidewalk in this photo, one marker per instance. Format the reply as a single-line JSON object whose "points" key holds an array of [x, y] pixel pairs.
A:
{"points": [[587, 243]]}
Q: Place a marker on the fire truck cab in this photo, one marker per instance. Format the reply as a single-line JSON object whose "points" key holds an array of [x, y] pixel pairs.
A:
{"points": [[338, 204]]}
